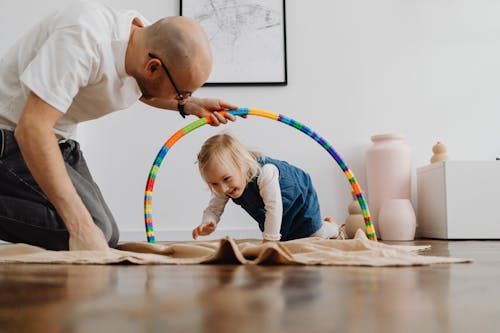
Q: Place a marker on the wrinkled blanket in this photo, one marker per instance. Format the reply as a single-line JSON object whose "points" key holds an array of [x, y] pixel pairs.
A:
{"points": [[307, 251]]}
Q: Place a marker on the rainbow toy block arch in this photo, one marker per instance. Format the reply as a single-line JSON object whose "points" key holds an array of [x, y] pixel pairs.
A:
{"points": [[148, 195]]}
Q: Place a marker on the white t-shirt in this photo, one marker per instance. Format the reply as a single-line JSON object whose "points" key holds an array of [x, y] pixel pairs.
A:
{"points": [[74, 60], [269, 190]]}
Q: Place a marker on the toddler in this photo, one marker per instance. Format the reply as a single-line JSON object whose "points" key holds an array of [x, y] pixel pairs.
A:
{"points": [[278, 195]]}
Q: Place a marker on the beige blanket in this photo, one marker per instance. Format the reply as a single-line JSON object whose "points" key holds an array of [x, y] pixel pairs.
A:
{"points": [[307, 251]]}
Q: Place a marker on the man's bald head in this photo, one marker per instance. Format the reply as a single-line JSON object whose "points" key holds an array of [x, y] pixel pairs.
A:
{"points": [[183, 46]]}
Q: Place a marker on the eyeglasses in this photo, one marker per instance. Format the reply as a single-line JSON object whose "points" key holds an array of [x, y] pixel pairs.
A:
{"points": [[181, 95]]}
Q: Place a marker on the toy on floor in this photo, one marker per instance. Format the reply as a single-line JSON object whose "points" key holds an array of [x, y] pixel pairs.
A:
{"points": [[355, 219], [148, 195]]}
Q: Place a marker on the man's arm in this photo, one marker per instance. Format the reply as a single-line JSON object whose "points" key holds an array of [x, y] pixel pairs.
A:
{"points": [[199, 107], [38, 144]]}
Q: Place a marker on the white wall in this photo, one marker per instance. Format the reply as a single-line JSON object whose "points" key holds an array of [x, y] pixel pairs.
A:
{"points": [[424, 68]]}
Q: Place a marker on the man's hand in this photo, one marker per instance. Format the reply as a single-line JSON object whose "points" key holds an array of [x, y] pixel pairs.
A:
{"points": [[199, 107], [204, 229], [89, 237], [202, 107]]}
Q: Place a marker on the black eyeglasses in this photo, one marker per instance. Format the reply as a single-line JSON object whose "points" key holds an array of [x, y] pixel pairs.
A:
{"points": [[181, 95]]}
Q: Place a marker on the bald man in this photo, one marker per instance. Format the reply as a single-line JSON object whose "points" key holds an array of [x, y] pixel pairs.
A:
{"points": [[79, 64]]}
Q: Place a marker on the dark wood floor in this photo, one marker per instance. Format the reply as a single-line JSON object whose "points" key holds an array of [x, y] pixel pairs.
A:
{"points": [[225, 298]]}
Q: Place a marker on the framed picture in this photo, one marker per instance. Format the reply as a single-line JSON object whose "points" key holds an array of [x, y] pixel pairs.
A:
{"points": [[248, 39]]}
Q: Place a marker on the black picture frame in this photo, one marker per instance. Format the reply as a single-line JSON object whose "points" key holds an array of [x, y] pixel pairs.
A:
{"points": [[248, 39]]}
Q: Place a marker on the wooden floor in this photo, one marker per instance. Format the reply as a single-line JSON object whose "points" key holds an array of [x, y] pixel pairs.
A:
{"points": [[238, 299]]}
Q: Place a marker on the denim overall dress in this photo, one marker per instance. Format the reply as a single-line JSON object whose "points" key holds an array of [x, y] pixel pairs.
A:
{"points": [[301, 212]]}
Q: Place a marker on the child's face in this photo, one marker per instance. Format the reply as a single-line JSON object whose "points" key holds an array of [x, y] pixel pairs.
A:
{"points": [[225, 179]]}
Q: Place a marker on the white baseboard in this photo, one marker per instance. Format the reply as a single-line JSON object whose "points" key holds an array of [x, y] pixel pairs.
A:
{"points": [[178, 235]]}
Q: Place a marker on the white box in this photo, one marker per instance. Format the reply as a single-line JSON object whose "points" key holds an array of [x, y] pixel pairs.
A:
{"points": [[459, 200]]}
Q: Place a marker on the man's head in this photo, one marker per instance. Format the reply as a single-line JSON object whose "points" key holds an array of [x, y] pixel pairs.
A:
{"points": [[176, 58]]}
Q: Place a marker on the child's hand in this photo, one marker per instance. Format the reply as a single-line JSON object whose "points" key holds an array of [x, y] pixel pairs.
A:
{"points": [[204, 229]]}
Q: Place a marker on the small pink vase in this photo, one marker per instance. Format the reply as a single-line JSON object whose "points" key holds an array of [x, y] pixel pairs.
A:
{"points": [[388, 172], [396, 220]]}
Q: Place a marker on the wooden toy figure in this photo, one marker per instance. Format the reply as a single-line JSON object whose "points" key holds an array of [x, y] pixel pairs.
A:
{"points": [[439, 150], [354, 220]]}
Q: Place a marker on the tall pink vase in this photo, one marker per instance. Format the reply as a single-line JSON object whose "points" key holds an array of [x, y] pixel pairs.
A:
{"points": [[388, 172]]}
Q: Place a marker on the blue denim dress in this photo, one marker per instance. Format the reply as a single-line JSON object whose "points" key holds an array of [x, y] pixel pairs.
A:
{"points": [[301, 212]]}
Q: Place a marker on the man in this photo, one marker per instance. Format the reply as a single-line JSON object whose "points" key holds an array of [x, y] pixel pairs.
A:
{"points": [[79, 64]]}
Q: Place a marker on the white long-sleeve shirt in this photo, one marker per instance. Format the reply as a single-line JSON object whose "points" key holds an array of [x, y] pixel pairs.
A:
{"points": [[269, 190]]}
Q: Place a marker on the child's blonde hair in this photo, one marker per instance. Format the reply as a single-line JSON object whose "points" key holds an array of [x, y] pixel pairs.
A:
{"points": [[225, 149]]}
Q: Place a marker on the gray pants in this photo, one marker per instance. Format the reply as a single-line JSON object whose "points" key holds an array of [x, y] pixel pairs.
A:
{"points": [[26, 214]]}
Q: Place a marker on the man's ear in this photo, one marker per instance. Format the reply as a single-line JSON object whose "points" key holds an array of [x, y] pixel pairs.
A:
{"points": [[152, 67]]}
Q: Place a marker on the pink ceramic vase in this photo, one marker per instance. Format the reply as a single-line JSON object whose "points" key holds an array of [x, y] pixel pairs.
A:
{"points": [[396, 220], [388, 172]]}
